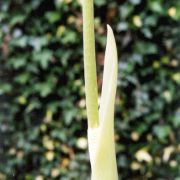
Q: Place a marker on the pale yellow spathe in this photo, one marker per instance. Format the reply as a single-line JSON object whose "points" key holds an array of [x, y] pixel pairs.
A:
{"points": [[101, 138]]}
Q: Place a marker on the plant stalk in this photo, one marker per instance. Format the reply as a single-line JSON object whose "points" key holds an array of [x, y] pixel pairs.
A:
{"points": [[90, 64]]}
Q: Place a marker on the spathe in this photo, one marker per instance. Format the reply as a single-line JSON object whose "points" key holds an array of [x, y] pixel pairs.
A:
{"points": [[101, 138]]}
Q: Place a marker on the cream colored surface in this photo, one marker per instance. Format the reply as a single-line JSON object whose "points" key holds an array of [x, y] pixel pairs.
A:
{"points": [[101, 138]]}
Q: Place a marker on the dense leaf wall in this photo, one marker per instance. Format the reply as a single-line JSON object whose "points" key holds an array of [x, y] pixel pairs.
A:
{"points": [[42, 110]]}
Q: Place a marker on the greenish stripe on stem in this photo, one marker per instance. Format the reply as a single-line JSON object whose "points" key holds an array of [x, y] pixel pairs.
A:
{"points": [[90, 64]]}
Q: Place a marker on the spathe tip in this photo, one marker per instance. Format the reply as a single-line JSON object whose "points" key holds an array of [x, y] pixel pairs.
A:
{"points": [[109, 28]]}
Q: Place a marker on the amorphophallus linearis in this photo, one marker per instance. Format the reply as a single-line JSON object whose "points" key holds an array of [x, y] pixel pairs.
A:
{"points": [[100, 121]]}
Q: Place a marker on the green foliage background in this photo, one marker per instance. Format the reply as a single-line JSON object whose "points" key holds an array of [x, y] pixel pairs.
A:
{"points": [[42, 111]]}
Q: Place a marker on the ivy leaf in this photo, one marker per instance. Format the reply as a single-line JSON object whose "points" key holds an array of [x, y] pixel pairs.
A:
{"points": [[43, 58], [145, 48], [52, 16], [162, 131]]}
